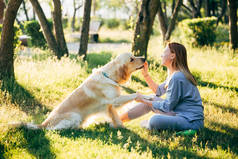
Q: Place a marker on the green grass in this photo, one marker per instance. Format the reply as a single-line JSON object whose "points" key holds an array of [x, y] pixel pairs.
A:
{"points": [[42, 82]]}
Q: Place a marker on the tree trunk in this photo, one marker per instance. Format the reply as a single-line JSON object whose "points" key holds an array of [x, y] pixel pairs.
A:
{"points": [[85, 29], [7, 38], [173, 6], [186, 10], [46, 28], [207, 8], [223, 11], [233, 35], [74, 15], [162, 20], [165, 10], [173, 19], [196, 8], [167, 28], [2, 7], [58, 27], [73, 21], [144, 25], [25, 10], [34, 14]]}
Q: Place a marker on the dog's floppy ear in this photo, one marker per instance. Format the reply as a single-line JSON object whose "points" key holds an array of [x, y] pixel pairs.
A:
{"points": [[123, 72]]}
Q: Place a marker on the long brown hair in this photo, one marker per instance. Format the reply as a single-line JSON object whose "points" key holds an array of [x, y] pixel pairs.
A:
{"points": [[180, 61]]}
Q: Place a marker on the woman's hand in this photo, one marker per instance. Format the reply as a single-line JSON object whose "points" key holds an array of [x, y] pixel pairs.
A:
{"points": [[141, 99], [145, 69]]}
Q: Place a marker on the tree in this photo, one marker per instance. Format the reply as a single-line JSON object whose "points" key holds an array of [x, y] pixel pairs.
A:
{"points": [[45, 27], [207, 8], [196, 6], [76, 8], [144, 25], [2, 7], [168, 27], [149, 8], [85, 29], [58, 27], [233, 34], [7, 38], [25, 10], [57, 45], [223, 10]]}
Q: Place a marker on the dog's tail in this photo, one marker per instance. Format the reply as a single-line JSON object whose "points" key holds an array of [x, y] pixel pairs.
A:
{"points": [[26, 125]]}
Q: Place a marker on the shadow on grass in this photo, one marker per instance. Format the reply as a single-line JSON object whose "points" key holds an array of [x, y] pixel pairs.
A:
{"points": [[37, 144], [214, 139], [34, 141], [136, 79], [2, 151], [224, 108], [22, 97], [126, 139], [211, 84]]}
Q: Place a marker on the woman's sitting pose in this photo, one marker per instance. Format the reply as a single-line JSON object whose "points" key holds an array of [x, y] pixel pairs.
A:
{"points": [[182, 108]]}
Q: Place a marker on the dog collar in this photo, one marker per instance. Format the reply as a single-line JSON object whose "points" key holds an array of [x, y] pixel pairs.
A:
{"points": [[111, 81], [116, 84], [105, 74]]}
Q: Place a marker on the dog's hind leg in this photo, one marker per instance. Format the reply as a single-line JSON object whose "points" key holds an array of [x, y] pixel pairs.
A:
{"points": [[114, 116], [70, 120]]}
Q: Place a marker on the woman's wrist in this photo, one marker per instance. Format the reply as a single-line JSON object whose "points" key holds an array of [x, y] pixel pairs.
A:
{"points": [[147, 102], [146, 75]]}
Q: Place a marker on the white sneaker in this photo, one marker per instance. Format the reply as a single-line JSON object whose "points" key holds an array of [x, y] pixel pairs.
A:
{"points": [[144, 124]]}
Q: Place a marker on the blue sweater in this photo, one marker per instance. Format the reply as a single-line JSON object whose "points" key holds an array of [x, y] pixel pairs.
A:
{"points": [[182, 97]]}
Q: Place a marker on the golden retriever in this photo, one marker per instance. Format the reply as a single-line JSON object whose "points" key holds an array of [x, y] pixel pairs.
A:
{"points": [[99, 92]]}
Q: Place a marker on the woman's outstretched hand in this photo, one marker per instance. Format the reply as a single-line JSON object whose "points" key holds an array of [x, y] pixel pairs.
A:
{"points": [[139, 97], [145, 69]]}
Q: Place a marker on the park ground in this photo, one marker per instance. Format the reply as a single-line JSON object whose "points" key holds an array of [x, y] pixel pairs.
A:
{"points": [[42, 82]]}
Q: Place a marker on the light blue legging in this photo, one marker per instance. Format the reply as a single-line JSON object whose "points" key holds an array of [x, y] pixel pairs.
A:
{"points": [[163, 122]]}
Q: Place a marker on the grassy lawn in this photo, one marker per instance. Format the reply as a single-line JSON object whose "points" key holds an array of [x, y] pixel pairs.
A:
{"points": [[42, 82]]}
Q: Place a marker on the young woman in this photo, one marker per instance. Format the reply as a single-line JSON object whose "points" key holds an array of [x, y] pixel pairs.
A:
{"points": [[182, 108]]}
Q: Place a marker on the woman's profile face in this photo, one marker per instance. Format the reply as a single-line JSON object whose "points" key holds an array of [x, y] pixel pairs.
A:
{"points": [[166, 57]]}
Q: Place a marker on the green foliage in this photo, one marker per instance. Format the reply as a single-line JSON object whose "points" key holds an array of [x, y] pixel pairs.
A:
{"points": [[112, 23], [126, 24], [17, 33], [33, 29], [65, 22], [222, 33], [96, 60], [199, 31]]}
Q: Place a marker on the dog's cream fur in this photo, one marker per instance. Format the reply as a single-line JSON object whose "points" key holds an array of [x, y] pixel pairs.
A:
{"points": [[97, 93]]}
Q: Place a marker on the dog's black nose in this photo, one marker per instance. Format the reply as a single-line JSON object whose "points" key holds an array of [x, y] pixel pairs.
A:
{"points": [[143, 59]]}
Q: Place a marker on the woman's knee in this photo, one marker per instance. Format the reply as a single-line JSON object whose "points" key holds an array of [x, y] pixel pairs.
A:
{"points": [[156, 122], [163, 122]]}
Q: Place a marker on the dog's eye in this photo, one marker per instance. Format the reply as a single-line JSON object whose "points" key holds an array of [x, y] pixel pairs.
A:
{"points": [[132, 59]]}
